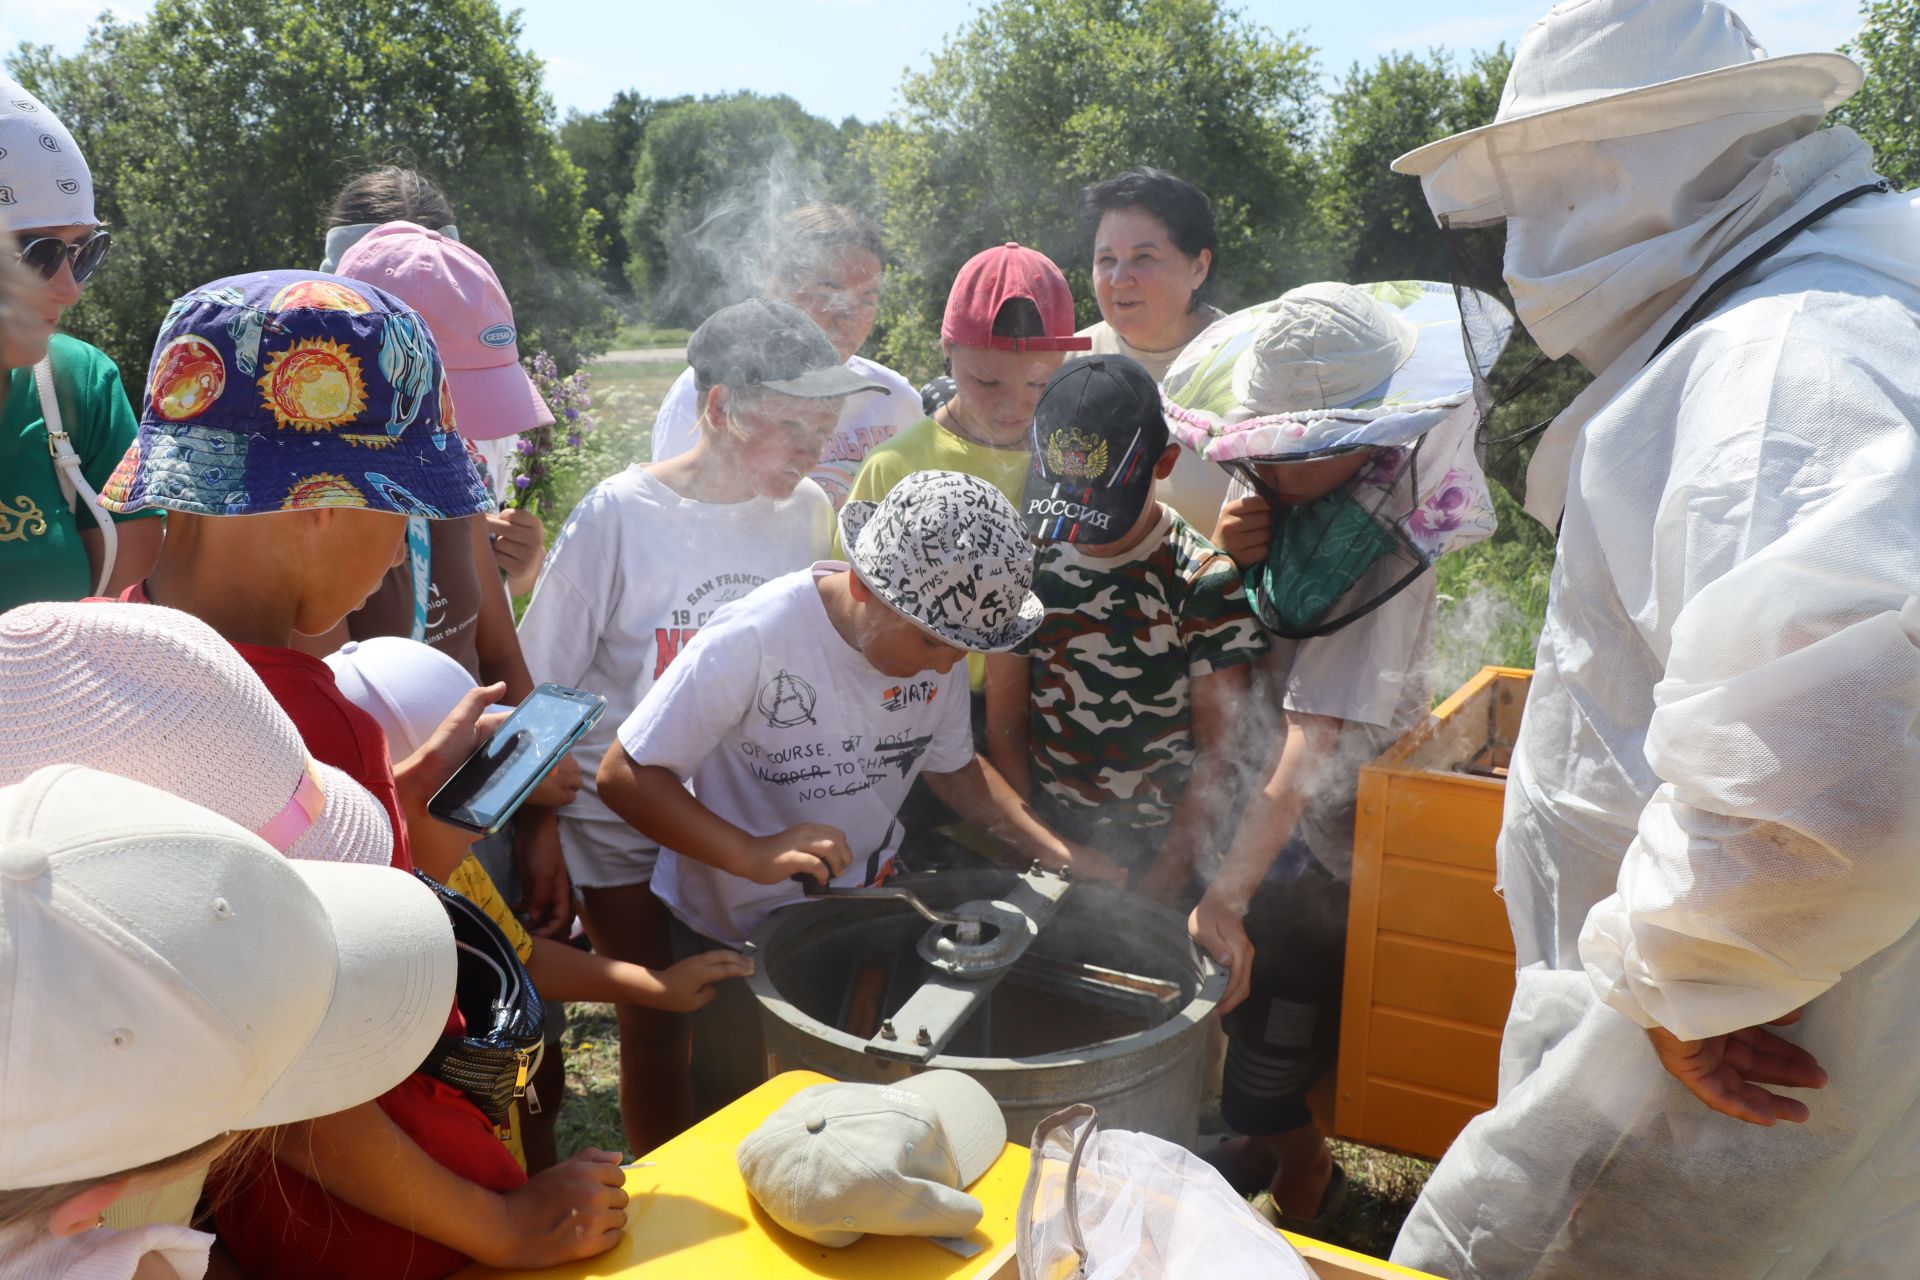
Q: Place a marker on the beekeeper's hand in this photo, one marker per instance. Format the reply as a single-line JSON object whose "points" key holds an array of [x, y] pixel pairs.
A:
{"points": [[1726, 1072], [1090, 864], [1216, 928], [1245, 529], [804, 849]]}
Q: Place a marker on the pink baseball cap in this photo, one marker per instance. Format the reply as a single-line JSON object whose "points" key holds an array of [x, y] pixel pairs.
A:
{"points": [[460, 298], [991, 278]]}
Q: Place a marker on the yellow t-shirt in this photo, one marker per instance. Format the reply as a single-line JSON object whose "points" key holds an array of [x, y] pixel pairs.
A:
{"points": [[928, 446], [471, 881]]}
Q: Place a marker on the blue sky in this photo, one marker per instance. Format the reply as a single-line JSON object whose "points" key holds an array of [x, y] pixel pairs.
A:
{"points": [[845, 57]]}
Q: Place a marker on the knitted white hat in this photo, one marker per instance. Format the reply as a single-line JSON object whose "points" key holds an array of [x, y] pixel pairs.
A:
{"points": [[44, 180], [166, 978], [156, 695], [950, 552], [409, 687]]}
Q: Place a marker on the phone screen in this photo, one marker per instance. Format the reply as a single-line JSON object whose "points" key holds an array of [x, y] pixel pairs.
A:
{"points": [[493, 781]]}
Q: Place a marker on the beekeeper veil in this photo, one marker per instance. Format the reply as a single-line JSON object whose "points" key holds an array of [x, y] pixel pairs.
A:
{"points": [[1629, 191], [1329, 369]]}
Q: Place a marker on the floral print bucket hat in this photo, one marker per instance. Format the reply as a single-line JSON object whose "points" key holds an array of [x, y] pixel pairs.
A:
{"points": [[289, 390], [1329, 369]]}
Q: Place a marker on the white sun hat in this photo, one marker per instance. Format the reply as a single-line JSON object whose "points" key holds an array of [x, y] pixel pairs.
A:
{"points": [[166, 977], [1594, 70], [838, 1161], [157, 695], [1325, 368], [44, 180], [948, 551]]}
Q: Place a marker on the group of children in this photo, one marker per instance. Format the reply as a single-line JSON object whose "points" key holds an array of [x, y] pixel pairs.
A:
{"points": [[816, 616]]}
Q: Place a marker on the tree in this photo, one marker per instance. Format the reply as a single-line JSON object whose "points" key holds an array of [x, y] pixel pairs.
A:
{"points": [[710, 178], [218, 132], [1378, 220], [1887, 110], [606, 145], [1035, 98]]}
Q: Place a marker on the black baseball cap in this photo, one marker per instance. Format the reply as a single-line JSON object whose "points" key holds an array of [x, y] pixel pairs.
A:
{"points": [[1097, 434], [776, 345]]}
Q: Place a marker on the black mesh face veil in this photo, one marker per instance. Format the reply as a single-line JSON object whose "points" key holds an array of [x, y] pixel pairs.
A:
{"points": [[1521, 391]]}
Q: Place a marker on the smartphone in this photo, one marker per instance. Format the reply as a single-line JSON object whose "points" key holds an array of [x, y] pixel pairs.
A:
{"points": [[496, 780]]}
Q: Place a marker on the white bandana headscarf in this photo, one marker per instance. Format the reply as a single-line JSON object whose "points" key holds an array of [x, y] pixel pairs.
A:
{"points": [[44, 180]]}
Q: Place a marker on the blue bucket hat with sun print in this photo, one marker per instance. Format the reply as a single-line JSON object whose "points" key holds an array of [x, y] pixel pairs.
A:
{"points": [[290, 390]]}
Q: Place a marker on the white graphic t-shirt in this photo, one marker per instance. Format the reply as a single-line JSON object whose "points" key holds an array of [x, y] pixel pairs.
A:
{"points": [[635, 573], [777, 720], [867, 420]]}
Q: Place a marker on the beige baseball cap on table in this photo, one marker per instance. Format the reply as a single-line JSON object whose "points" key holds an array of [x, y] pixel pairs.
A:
{"points": [[166, 977], [838, 1161]]}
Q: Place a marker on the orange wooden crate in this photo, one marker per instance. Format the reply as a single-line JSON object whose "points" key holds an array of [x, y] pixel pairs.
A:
{"points": [[1429, 954]]}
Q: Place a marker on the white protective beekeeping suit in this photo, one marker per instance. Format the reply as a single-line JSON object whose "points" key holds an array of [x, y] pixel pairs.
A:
{"points": [[1714, 810]]}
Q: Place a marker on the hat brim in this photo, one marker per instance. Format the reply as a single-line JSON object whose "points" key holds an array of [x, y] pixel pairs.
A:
{"points": [[975, 1128], [1435, 379], [496, 402], [1828, 78], [352, 826], [212, 472], [392, 987], [824, 384], [1023, 623]]}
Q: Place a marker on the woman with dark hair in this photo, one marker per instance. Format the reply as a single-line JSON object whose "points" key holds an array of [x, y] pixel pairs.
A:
{"points": [[1155, 252]]}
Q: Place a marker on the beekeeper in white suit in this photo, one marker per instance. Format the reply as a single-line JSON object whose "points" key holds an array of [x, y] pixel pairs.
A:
{"points": [[1713, 819]]}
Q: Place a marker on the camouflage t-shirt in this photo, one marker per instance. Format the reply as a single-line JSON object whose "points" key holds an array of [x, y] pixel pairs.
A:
{"points": [[1110, 714]]}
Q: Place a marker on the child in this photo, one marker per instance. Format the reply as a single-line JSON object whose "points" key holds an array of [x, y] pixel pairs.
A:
{"points": [[1350, 412], [447, 590], [291, 422], [173, 982], [1127, 700], [1008, 325], [807, 710], [644, 560], [827, 260], [390, 193]]}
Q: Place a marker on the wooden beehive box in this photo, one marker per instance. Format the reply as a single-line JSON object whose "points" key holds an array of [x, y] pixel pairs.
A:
{"points": [[1429, 955]]}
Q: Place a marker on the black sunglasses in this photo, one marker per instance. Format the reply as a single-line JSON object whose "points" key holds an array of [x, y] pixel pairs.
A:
{"points": [[44, 254]]}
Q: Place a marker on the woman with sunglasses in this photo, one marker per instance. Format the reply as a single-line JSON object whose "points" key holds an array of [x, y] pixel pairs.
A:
{"points": [[55, 542]]}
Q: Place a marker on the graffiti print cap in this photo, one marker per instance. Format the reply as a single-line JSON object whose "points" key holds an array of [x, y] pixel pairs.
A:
{"points": [[1097, 433], [291, 390], [460, 297], [948, 551]]}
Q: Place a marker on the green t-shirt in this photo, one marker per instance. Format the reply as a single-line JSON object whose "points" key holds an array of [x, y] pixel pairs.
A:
{"points": [[928, 446], [1110, 716], [41, 557]]}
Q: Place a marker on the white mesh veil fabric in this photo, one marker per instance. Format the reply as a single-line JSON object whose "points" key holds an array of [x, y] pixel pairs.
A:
{"points": [[1113, 1205]]}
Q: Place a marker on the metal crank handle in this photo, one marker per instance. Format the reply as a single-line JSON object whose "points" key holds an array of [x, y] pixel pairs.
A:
{"points": [[814, 889]]}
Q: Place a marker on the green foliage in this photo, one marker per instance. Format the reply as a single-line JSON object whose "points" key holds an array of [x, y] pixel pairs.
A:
{"points": [[1377, 220], [218, 132], [1887, 110], [606, 145], [709, 180], [1035, 98]]}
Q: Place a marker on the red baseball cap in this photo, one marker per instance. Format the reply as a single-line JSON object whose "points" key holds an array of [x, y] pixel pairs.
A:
{"points": [[993, 276], [458, 295]]}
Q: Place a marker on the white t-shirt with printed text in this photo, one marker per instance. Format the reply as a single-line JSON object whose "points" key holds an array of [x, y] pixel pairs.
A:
{"points": [[637, 570], [776, 720], [866, 420]]}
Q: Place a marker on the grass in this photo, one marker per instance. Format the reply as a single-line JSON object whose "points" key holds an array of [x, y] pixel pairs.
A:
{"points": [[638, 337]]}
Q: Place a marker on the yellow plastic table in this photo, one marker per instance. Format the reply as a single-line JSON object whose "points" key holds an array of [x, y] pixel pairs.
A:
{"points": [[691, 1217]]}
